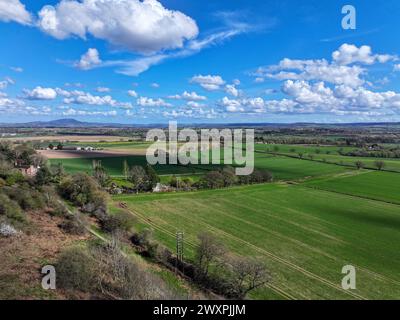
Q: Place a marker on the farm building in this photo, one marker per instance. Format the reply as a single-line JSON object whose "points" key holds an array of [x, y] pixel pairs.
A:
{"points": [[162, 188], [26, 170], [29, 171]]}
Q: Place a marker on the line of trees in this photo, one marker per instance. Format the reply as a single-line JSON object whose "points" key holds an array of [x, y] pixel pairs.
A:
{"points": [[226, 177]]}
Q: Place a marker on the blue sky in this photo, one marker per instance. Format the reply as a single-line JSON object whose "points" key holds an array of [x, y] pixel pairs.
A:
{"points": [[132, 61]]}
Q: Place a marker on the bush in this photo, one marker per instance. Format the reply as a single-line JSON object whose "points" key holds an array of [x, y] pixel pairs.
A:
{"points": [[76, 269], [379, 164], [120, 222], [83, 191], [144, 239], [173, 182], [73, 224], [14, 177], [27, 198], [5, 169], [104, 271], [10, 210], [43, 176], [213, 180], [260, 176], [53, 201], [229, 176]]}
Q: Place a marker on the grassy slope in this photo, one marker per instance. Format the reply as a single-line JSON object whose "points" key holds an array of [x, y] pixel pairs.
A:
{"points": [[304, 235]]}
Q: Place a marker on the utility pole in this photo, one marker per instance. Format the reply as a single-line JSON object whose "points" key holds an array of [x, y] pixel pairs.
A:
{"points": [[179, 248]]}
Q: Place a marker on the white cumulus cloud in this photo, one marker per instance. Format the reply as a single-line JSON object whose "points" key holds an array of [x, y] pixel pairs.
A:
{"points": [[150, 102], [208, 82], [132, 93], [89, 60], [103, 89], [14, 10], [139, 26], [349, 53], [40, 93], [189, 96]]}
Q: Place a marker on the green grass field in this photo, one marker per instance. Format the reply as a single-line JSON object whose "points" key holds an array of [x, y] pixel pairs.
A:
{"points": [[285, 168], [333, 157], [305, 236], [287, 148], [114, 165], [384, 186]]}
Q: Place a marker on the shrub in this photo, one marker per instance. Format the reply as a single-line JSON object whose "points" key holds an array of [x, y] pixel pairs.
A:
{"points": [[10, 209], [73, 224], [260, 176], [144, 239], [27, 198], [76, 270], [103, 270], [120, 222], [229, 176], [379, 164], [83, 191], [359, 164], [14, 177], [53, 201], [173, 182], [43, 176], [5, 168], [213, 180]]}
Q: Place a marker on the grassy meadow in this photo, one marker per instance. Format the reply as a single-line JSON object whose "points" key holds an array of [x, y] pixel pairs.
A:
{"points": [[304, 235], [328, 154], [378, 185]]}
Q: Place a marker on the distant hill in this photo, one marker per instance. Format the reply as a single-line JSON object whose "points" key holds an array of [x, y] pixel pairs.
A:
{"points": [[72, 123], [62, 123]]}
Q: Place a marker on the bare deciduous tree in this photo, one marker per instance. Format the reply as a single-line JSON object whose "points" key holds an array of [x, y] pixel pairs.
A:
{"points": [[246, 275], [208, 251]]}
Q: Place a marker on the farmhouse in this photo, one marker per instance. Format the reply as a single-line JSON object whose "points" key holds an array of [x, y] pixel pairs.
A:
{"points": [[29, 171], [162, 188], [88, 148]]}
